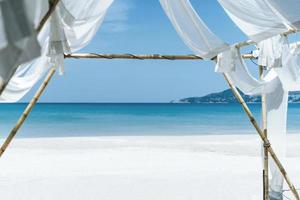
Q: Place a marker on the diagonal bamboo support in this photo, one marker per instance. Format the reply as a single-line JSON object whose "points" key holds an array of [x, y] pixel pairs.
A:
{"points": [[27, 111], [265, 149], [262, 136]]}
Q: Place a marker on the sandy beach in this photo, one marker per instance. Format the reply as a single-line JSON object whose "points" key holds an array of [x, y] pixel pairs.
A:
{"points": [[133, 167]]}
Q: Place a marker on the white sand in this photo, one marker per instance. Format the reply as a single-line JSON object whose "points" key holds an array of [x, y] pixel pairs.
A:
{"points": [[138, 168]]}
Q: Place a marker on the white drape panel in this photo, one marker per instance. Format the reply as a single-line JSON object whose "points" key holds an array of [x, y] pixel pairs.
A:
{"points": [[276, 100], [284, 59], [192, 29], [58, 44], [204, 43], [261, 19], [288, 10], [238, 72], [36, 10], [277, 105], [289, 73], [270, 51], [29, 73], [80, 26], [17, 21], [71, 27]]}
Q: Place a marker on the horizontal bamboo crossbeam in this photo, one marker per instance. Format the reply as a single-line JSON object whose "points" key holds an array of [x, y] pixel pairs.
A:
{"points": [[141, 57], [134, 56]]}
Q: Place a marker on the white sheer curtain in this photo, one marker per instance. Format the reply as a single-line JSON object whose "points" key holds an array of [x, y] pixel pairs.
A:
{"points": [[261, 19], [289, 73], [17, 35], [192, 30], [29, 73], [288, 10], [72, 26], [274, 51], [81, 20], [232, 63]]}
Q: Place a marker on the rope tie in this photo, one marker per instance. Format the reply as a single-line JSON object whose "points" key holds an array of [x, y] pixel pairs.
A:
{"points": [[267, 144]]}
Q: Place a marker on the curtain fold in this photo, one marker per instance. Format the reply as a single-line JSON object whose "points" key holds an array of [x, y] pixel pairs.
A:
{"points": [[192, 30], [18, 35], [71, 27], [262, 19], [276, 97]]}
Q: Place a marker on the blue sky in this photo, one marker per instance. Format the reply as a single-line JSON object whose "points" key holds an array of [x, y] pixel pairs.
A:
{"points": [[141, 27]]}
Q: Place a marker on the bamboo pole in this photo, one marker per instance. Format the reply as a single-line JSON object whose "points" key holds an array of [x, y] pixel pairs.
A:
{"points": [[262, 136], [133, 56], [165, 57], [265, 149], [140, 57], [27, 111]]}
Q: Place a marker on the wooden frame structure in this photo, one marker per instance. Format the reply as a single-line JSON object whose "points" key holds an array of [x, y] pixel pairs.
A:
{"points": [[262, 132]]}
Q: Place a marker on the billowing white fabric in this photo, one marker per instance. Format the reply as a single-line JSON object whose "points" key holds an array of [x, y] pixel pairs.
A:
{"points": [[29, 73], [276, 101], [261, 19], [58, 44], [270, 52], [74, 28], [287, 64], [289, 73], [81, 25], [288, 11], [286, 68], [17, 21], [286, 57], [71, 28], [226, 60], [192, 29], [36, 10], [277, 105], [238, 72]]}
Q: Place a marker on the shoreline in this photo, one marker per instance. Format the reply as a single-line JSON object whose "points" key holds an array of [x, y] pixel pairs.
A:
{"points": [[244, 144]]}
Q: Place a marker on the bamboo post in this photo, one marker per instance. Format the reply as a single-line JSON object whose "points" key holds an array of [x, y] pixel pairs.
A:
{"points": [[265, 149], [27, 111], [262, 136]]}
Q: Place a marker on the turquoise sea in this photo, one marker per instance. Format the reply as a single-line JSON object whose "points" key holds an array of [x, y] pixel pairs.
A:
{"points": [[81, 119]]}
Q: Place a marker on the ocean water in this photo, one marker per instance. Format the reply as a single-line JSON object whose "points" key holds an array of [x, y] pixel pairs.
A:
{"points": [[62, 119]]}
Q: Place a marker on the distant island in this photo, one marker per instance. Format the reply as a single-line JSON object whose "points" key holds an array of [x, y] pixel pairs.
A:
{"points": [[226, 96]]}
